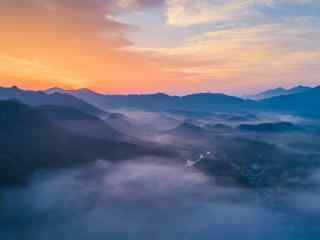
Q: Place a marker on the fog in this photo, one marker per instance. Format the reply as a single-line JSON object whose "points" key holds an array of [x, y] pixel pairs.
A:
{"points": [[152, 198], [220, 184], [156, 121]]}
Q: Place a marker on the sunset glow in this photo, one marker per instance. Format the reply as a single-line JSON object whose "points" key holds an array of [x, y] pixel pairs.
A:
{"points": [[173, 46]]}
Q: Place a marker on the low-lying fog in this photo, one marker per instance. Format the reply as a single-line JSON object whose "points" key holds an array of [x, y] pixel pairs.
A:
{"points": [[170, 199], [153, 199]]}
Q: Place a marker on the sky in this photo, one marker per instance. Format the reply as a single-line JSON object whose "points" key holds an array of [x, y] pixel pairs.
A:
{"points": [[173, 46]]}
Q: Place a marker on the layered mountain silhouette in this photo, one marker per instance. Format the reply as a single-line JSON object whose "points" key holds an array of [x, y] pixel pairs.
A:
{"points": [[162, 102], [292, 100], [31, 139], [276, 92], [87, 95], [300, 101], [81, 123], [305, 103], [58, 129], [39, 98]]}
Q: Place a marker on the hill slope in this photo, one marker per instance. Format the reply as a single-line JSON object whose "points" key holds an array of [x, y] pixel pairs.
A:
{"points": [[276, 92], [38, 98], [81, 123], [306, 103], [162, 102], [29, 141]]}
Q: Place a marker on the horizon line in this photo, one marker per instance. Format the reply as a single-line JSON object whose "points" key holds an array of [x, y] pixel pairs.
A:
{"points": [[153, 93]]}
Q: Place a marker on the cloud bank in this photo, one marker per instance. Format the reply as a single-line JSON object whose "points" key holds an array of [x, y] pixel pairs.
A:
{"points": [[140, 199]]}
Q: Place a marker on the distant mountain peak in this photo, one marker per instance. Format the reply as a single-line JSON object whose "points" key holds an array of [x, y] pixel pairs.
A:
{"points": [[279, 91], [61, 90], [299, 88], [160, 94], [55, 90], [85, 90], [15, 87], [55, 97]]}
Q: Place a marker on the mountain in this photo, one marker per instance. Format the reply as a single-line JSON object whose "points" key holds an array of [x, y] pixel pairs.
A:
{"points": [[55, 90], [39, 98], [30, 141], [163, 102], [253, 163], [80, 93], [305, 103], [278, 92], [279, 127], [151, 102], [85, 94], [82, 123], [124, 125], [187, 130], [301, 100], [214, 102]]}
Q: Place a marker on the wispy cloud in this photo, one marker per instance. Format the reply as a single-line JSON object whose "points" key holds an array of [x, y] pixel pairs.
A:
{"points": [[184, 13], [231, 56]]}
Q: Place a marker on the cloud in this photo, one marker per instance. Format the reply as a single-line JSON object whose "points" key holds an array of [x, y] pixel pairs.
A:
{"points": [[185, 13], [140, 4], [77, 17], [143, 199], [232, 55]]}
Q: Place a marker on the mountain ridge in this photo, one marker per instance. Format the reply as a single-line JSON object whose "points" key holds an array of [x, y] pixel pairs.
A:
{"points": [[161, 101], [200, 102], [31, 141], [40, 98], [276, 92]]}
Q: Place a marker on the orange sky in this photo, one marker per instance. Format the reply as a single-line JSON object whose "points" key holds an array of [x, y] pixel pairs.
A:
{"points": [[113, 47], [60, 52]]}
